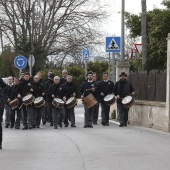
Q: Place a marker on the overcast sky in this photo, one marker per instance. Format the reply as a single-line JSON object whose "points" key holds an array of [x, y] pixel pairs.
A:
{"points": [[113, 24]]}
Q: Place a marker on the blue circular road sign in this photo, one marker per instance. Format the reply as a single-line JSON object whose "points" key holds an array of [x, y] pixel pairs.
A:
{"points": [[20, 62]]}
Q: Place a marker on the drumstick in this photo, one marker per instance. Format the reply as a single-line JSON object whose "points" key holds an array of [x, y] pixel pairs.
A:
{"points": [[21, 106]]}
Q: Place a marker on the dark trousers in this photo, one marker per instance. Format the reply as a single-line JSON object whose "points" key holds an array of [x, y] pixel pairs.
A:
{"points": [[38, 113], [105, 110], [88, 116], [123, 113], [69, 115], [27, 115], [7, 115], [1, 114], [12, 117], [96, 113], [49, 111], [57, 113]]}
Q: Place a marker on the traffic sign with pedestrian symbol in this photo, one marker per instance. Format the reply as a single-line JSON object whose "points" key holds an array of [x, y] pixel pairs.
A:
{"points": [[85, 55], [113, 44], [20, 62]]}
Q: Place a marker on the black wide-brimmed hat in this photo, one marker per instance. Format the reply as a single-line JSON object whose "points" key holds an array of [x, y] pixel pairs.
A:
{"points": [[123, 74]]}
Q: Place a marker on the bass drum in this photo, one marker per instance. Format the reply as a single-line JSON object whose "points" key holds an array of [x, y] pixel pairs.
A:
{"points": [[28, 99], [14, 104], [71, 102], [57, 102], [89, 101], [109, 99], [39, 102]]}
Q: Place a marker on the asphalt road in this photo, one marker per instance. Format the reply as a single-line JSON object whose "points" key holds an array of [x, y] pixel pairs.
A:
{"points": [[98, 148]]}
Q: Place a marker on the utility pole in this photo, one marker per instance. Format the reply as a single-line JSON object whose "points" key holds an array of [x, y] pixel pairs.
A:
{"points": [[122, 30], [144, 33], [2, 45]]}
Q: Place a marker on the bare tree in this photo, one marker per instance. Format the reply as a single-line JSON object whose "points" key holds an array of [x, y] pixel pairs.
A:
{"points": [[52, 27]]}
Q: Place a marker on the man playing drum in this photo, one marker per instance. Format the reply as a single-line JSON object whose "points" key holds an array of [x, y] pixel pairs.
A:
{"points": [[69, 90], [87, 88], [12, 96], [38, 90], [123, 88], [23, 90], [106, 87], [55, 91]]}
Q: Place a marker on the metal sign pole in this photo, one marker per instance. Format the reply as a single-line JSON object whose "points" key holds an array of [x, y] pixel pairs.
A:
{"points": [[113, 68], [85, 68], [109, 66]]}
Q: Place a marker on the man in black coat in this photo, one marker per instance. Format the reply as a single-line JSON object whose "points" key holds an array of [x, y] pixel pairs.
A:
{"points": [[24, 88], [88, 87], [106, 87], [38, 90], [55, 91], [64, 77], [69, 90], [122, 89], [12, 94], [2, 86], [48, 104]]}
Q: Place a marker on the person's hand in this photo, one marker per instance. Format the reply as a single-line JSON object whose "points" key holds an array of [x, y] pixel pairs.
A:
{"points": [[9, 99], [31, 90], [74, 94], [82, 96], [43, 94], [101, 94], [53, 96], [19, 96], [64, 98], [118, 97], [133, 93], [93, 89]]}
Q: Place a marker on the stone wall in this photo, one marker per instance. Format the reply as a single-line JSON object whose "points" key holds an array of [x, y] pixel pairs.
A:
{"points": [[149, 114]]}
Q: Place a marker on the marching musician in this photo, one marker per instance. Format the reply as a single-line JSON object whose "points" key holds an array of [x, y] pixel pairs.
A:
{"points": [[12, 94], [106, 87], [88, 87], [7, 107], [97, 96], [2, 86], [24, 89], [69, 90], [48, 103], [55, 91], [122, 89], [64, 77], [38, 90]]}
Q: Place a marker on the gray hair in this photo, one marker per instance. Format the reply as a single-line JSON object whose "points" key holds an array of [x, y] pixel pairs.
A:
{"points": [[64, 71]]}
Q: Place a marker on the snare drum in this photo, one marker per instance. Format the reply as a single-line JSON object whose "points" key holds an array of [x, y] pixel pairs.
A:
{"points": [[128, 101], [14, 104], [28, 99], [109, 99], [39, 102], [59, 103], [71, 102], [89, 101]]}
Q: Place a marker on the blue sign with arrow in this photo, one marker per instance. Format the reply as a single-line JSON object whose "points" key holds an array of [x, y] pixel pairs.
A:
{"points": [[20, 62], [113, 44], [85, 55]]}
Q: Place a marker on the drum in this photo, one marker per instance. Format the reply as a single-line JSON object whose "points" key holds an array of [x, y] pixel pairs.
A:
{"points": [[14, 104], [128, 101], [28, 99], [89, 101], [59, 103], [109, 99], [71, 102], [39, 102]]}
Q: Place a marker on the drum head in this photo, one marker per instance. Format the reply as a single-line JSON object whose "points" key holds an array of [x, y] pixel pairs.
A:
{"points": [[126, 100], [27, 97], [38, 100], [58, 100], [109, 97], [70, 100]]}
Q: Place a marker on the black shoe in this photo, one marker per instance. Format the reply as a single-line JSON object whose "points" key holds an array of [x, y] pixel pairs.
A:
{"points": [[106, 124], [30, 127], [61, 125], [37, 126], [25, 128], [94, 123], [125, 124], [1, 146], [51, 124], [90, 126], [73, 126], [11, 126], [66, 125], [121, 125], [55, 127], [44, 122], [17, 127], [7, 125], [85, 126]]}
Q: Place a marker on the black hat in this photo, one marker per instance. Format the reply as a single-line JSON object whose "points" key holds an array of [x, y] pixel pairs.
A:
{"points": [[51, 76], [123, 74]]}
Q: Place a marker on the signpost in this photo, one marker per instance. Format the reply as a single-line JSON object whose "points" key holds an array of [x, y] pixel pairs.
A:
{"points": [[31, 62], [85, 58]]}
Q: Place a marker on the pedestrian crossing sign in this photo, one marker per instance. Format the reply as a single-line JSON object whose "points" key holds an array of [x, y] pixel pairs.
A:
{"points": [[113, 44], [85, 55]]}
